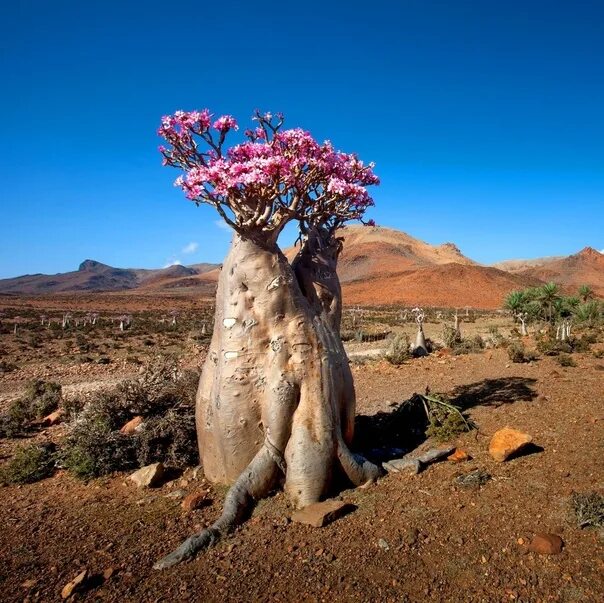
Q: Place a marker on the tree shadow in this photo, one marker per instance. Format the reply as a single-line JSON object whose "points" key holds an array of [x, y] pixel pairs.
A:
{"points": [[494, 392], [391, 434]]}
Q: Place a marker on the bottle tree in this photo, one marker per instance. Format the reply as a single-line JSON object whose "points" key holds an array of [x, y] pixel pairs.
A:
{"points": [[276, 402]]}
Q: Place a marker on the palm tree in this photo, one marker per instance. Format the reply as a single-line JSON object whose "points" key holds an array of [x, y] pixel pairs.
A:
{"points": [[586, 293], [547, 296], [515, 302], [589, 313]]}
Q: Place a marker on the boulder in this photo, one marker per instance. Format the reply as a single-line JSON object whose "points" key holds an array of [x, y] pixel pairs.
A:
{"points": [[546, 544], [149, 476], [506, 442], [320, 514]]}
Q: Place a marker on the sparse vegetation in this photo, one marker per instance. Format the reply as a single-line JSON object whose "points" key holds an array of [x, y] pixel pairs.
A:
{"points": [[163, 397], [445, 420], [30, 463], [566, 360], [40, 399], [518, 353], [398, 350], [588, 509]]}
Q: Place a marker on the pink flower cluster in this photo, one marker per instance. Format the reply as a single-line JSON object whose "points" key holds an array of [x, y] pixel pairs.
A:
{"points": [[283, 168]]}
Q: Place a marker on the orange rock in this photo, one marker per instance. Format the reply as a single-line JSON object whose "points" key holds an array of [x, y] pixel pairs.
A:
{"points": [[546, 544], [130, 427], [459, 456], [53, 418], [506, 442], [75, 585], [195, 500]]}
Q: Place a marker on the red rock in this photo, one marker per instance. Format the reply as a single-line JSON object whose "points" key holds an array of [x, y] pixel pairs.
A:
{"points": [[546, 544], [196, 500], [459, 456], [320, 514], [130, 427], [506, 442]]}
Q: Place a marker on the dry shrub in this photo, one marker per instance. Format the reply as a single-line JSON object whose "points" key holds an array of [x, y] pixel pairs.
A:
{"points": [[518, 353], [588, 509], [164, 396], [566, 360], [398, 350]]}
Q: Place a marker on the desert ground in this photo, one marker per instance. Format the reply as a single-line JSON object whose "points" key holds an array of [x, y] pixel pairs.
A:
{"points": [[410, 537]]}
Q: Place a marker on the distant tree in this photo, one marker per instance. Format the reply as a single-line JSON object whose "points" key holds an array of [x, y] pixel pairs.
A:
{"points": [[586, 293], [547, 296]]}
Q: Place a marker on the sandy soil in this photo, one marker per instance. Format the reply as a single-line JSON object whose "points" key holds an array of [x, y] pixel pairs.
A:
{"points": [[411, 538]]}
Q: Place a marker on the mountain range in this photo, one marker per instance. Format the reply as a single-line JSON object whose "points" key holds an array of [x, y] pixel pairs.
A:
{"points": [[377, 266]]}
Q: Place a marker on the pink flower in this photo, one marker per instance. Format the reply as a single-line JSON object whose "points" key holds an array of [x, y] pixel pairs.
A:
{"points": [[292, 164], [225, 123]]}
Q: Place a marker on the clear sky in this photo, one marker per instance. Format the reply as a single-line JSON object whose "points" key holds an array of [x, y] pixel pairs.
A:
{"points": [[485, 118]]}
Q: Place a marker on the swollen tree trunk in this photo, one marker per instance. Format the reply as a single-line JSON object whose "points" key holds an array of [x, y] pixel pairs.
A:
{"points": [[275, 402], [420, 348]]}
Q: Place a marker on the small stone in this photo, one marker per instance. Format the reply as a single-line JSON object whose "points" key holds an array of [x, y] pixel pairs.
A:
{"points": [[383, 544], [108, 573], [131, 426], [29, 583], [546, 544], [506, 442], [75, 585], [410, 536], [320, 514], [521, 541], [149, 476], [196, 500], [53, 418], [459, 456], [176, 494]]}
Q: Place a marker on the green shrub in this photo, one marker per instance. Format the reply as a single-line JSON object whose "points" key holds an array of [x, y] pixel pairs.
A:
{"points": [[398, 350], [30, 464], [42, 398], [445, 425], [93, 448], [566, 360]]}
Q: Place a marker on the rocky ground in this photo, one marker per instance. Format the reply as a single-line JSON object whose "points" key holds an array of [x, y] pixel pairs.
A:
{"points": [[421, 537]]}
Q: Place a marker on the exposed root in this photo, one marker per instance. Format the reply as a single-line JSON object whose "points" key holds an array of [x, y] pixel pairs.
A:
{"points": [[253, 484], [356, 467]]}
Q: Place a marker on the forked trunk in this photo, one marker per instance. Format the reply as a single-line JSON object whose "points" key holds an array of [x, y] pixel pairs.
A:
{"points": [[276, 398]]}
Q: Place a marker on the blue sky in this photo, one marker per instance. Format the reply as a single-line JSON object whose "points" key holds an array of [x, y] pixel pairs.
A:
{"points": [[485, 119]]}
